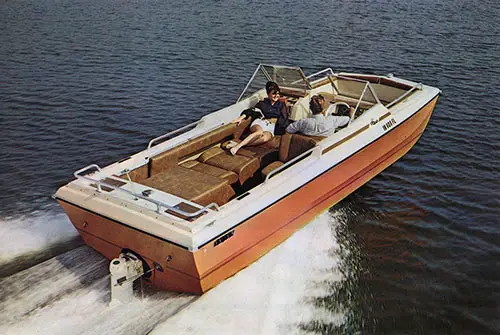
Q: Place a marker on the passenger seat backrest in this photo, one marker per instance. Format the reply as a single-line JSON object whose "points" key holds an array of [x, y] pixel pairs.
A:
{"points": [[292, 145], [300, 110]]}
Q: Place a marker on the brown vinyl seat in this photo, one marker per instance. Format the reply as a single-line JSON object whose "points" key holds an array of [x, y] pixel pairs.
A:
{"points": [[291, 146], [266, 153], [244, 167], [230, 176], [173, 156], [191, 185]]}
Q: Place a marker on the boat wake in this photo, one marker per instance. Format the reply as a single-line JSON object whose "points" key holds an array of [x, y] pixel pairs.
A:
{"points": [[274, 295], [69, 293], [30, 240]]}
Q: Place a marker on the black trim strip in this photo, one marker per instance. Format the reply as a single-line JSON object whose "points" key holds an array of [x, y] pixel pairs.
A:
{"points": [[256, 213], [345, 139], [123, 224], [243, 195]]}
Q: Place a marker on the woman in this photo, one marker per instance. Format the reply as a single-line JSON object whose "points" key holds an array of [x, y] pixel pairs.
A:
{"points": [[275, 119]]}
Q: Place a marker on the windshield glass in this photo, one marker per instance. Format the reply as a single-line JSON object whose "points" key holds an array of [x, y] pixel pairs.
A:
{"points": [[288, 78]]}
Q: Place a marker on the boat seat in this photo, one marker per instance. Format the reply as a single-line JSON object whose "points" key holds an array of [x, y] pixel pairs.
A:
{"points": [[191, 185], [291, 146], [266, 153], [229, 176], [244, 167], [194, 146]]}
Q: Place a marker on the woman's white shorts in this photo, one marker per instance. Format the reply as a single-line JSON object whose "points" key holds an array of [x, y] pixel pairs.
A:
{"points": [[267, 125]]}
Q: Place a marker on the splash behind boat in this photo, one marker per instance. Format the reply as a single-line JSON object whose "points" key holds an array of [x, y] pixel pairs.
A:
{"points": [[195, 214]]}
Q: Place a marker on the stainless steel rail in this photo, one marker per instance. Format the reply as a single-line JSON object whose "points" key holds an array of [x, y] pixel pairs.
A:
{"points": [[88, 167], [150, 144], [158, 204]]}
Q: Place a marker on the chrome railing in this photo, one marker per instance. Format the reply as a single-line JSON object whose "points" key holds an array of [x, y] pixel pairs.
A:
{"points": [[159, 204], [173, 132]]}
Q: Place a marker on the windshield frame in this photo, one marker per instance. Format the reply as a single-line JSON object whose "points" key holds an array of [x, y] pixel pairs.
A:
{"points": [[300, 81]]}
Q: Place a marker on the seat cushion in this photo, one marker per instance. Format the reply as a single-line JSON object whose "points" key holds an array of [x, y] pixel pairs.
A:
{"points": [[292, 145], [244, 167], [273, 166], [265, 155], [196, 145], [274, 143], [230, 176], [191, 185]]}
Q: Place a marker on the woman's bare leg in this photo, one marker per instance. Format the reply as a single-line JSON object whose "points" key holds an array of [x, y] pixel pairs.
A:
{"points": [[249, 139], [265, 137], [258, 136]]}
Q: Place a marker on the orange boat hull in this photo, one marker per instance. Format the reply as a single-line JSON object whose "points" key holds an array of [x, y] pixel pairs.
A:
{"points": [[198, 271]]}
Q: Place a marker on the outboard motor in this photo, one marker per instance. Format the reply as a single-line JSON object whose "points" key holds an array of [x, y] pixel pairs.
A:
{"points": [[124, 270]]}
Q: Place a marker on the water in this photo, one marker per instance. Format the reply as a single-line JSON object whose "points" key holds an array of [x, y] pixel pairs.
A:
{"points": [[414, 251]]}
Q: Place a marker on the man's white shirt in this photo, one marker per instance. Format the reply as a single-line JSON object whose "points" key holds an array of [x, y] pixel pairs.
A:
{"points": [[318, 125]]}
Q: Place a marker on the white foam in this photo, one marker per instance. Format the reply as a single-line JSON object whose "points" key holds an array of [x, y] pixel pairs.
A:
{"points": [[69, 294], [86, 311], [272, 296], [33, 233]]}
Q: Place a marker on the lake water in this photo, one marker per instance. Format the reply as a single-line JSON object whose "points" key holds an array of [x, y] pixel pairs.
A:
{"points": [[414, 251]]}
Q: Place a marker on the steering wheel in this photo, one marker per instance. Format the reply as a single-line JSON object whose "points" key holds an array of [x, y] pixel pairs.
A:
{"points": [[335, 107]]}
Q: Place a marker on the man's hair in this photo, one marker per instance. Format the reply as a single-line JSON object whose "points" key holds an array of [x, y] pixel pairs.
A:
{"points": [[272, 86], [315, 104]]}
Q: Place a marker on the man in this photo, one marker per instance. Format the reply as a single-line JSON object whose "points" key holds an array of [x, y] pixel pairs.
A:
{"points": [[318, 124]]}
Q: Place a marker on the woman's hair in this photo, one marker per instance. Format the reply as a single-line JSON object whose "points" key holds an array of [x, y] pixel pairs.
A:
{"points": [[272, 86], [315, 104]]}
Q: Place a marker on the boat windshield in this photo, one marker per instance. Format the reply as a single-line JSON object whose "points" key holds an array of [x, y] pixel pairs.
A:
{"points": [[288, 78]]}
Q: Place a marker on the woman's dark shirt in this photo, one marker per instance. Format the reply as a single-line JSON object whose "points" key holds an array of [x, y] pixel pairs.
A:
{"points": [[269, 110], [279, 110]]}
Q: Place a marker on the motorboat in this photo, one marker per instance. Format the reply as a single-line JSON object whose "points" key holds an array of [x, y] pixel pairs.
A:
{"points": [[195, 214]]}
